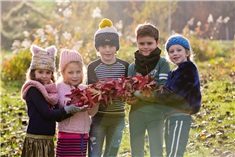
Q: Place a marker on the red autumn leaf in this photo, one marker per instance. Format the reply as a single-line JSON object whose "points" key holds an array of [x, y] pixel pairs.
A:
{"points": [[96, 93], [89, 97], [103, 92]]}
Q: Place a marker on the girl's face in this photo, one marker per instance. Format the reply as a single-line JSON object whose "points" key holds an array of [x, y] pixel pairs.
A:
{"points": [[72, 74], [43, 75], [146, 45], [177, 54], [107, 53]]}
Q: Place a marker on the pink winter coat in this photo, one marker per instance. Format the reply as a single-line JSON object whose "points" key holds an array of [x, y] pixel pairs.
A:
{"points": [[79, 122]]}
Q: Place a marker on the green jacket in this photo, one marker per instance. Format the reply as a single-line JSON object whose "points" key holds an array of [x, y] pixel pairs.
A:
{"points": [[160, 73]]}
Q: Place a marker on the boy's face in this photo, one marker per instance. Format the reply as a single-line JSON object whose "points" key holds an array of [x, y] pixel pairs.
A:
{"points": [[146, 45], [107, 53]]}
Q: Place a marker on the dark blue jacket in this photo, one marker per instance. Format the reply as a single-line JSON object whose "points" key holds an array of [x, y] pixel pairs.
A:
{"points": [[42, 120], [182, 89]]}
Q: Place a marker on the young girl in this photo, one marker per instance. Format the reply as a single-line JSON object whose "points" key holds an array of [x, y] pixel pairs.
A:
{"points": [[146, 116], [40, 94], [73, 132], [109, 122], [181, 95]]}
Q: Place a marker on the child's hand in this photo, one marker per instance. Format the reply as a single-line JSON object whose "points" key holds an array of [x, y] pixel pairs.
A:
{"points": [[150, 98], [132, 100], [83, 108], [160, 87], [71, 109]]}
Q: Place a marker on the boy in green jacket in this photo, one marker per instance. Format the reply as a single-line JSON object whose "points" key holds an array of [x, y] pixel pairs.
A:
{"points": [[147, 115]]}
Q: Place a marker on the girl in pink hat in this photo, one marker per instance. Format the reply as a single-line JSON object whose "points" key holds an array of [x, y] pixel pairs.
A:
{"points": [[73, 132]]}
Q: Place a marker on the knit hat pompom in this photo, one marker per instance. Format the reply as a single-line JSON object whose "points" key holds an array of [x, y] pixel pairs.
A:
{"points": [[67, 56], [105, 23], [106, 34], [177, 40], [43, 58]]}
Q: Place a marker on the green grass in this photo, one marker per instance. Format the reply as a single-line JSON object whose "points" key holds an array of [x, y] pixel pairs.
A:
{"points": [[13, 120]]}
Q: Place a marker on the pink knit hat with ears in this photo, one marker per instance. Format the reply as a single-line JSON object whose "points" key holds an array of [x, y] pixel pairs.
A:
{"points": [[43, 58], [67, 56]]}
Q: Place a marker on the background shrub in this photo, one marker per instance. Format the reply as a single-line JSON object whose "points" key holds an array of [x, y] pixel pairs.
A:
{"points": [[14, 68]]}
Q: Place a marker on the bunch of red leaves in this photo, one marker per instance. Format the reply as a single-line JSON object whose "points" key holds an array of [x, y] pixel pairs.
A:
{"points": [[103, 92]]}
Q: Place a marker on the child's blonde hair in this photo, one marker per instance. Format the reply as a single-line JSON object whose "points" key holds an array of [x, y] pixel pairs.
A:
{"points": [[81, 66]]}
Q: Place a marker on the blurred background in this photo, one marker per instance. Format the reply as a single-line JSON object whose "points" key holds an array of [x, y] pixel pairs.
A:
{"points": [[79, 19]]}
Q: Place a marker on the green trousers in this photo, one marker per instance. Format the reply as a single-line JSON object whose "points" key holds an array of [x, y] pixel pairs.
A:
{"points": [[141, 123]]}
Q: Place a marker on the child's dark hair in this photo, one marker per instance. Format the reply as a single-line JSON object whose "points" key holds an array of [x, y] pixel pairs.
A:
{"points": [[147, 29], [31, 75]]}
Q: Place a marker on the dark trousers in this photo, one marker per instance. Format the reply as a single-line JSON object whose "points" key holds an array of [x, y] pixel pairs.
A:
{"points": [[176, 134]]}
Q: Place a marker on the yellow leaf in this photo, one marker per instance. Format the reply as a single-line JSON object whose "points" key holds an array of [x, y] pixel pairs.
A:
{"points": [[203, 137]]}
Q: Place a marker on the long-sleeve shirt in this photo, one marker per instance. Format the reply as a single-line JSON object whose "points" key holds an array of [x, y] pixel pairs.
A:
{"points": [[99, 71]]}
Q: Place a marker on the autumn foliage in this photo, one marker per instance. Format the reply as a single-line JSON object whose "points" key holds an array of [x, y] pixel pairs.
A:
{"points": [[103, 92]]}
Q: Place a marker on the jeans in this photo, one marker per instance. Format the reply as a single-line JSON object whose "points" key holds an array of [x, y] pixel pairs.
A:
{"points": [[108, 128], [153, 123]]}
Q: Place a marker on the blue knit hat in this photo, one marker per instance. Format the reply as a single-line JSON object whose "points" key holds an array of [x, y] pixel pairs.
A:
{"points": [[177, 40]]}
